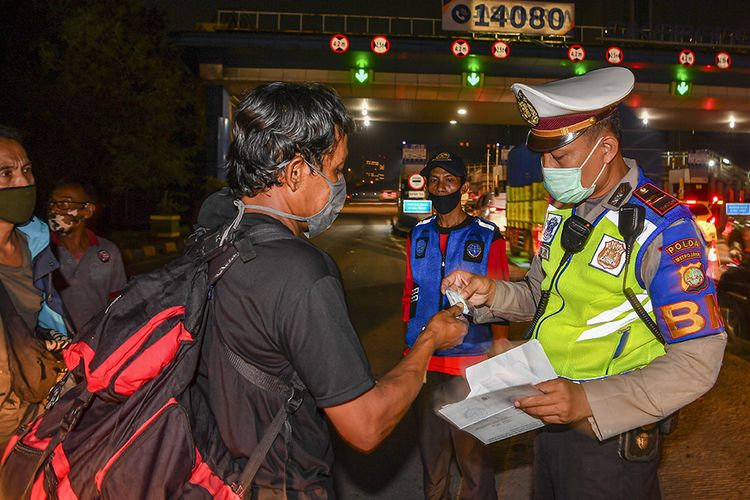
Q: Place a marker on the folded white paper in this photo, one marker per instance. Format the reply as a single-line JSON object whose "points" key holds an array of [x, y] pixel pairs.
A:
{"points": [[488, 412], [525, 364]]}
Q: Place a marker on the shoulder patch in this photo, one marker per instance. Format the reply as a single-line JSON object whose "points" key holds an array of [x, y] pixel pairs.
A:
{"points": [[656, 199]]}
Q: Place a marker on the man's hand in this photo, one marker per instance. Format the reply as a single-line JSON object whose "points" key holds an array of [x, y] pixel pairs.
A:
{"points": [[447, 328], [477, 290], [563, 402]]}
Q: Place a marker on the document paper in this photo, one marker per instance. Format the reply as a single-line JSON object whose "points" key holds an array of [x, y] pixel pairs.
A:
{"points": [[488, 412]]}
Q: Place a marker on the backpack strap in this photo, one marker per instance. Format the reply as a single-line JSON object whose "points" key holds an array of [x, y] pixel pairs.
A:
{"points": [[293, 393], [240, 244]]}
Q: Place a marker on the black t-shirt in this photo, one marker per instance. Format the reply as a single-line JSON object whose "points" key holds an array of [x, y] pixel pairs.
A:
{"points": [[284, 311]]}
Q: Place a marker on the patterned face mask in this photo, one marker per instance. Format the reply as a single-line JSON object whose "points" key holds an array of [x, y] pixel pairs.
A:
{"points": [[64, 222]]}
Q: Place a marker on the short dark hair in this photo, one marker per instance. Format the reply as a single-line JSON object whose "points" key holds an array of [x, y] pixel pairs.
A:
{"points": [[277, 121], [11, 133], [89, 190], [609, 123]]}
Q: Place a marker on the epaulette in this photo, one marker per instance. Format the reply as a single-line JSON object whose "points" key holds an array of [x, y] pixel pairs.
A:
{"points": [[656, 199]]}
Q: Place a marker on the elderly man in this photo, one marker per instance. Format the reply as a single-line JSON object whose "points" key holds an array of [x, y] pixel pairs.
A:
{"points": [[618, 296]]}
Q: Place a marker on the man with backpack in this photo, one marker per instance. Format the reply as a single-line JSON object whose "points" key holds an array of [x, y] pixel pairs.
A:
{"points": [[284, 311]]}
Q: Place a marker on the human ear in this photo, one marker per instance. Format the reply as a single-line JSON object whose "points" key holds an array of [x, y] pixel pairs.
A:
{"points": [[611, 146], [294, 173], [88, 210]]}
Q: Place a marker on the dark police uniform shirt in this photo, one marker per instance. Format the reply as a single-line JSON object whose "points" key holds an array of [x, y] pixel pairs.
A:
{"points": [[285, 312]]}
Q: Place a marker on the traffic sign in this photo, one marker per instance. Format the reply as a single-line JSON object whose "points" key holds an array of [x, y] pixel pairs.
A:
{"points": [[500, 50], [362, 76], [614, 55], [682, 88], [460, 48], [417, 206], [472, 80], [686, 57], [576, 53], [380, 45], [339, 43], [723, 60], [416, 181], [737, 208]]}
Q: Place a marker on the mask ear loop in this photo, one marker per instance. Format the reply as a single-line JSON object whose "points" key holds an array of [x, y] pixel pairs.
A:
{"points": [[601, 171], [235, 223]]}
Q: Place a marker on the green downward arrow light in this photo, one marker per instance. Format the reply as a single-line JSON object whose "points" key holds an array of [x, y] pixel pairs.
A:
{"points": [[361, 76], [473, 79], [682, 88]]}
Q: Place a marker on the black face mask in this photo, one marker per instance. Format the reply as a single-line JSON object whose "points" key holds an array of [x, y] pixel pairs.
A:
{"points": [[445, 203]]}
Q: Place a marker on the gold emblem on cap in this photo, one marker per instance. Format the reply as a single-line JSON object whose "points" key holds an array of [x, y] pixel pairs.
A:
{"points": [[527, 110], [443, 156]]}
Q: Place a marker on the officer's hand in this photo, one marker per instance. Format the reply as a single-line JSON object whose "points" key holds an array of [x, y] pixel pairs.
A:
{"points": [[563, 402], [477, 290], [447, 328]]}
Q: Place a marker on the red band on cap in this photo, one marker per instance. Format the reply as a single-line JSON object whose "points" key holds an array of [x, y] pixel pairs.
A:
{"points": [[556, 122]]}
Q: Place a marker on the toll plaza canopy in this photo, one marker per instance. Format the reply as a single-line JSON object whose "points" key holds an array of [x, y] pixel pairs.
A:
{"points": [[412, 70]]}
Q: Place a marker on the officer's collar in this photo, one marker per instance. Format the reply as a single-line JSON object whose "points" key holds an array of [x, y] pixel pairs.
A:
{"points": [[621, 193], [614, 199]]}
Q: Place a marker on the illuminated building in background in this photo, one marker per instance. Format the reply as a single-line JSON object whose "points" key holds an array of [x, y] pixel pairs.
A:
{"points": [[374, 170]]}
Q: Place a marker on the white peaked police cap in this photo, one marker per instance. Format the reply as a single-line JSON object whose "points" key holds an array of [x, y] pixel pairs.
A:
{"points": [[560, 111]]}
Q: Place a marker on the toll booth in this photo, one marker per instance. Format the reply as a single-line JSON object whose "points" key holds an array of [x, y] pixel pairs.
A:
{"points": [[413, 204]]}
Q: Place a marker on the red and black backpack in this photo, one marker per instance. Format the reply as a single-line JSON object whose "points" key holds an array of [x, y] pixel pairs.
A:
{"points": [[134, 426]]}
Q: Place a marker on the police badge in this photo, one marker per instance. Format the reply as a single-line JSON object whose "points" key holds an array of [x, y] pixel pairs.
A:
{"points": [[693, 278], [473, 251], [527, 110], [550, 227], [609, 257]]}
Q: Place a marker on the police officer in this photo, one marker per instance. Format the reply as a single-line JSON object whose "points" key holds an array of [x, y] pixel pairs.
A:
{"points": [[618, 296]]}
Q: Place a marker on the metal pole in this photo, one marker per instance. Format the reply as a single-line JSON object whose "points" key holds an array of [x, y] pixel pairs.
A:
{"points": [[487, 179]]}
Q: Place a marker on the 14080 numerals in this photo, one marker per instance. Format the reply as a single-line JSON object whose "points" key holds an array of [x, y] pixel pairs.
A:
{"points": [[518, 16]]}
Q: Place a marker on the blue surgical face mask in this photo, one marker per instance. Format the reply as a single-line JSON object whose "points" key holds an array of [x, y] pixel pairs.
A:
{"points": [[322, 220], [564, 184]]}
